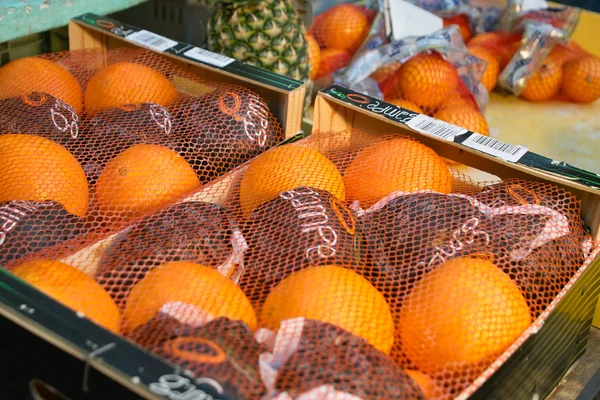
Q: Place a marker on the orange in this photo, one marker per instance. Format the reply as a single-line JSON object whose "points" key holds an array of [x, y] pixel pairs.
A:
{"points": [[545, 81], [73, 288], [465, 117], [463, 23], [314, 56], [492, 70], [406, 104], [335, 295], [395, 165], [343, 27], [456, 99], [144, 178], [562, 53], [504, 45], [287, 167], [581, 79], [423, 381], [191, 291], [506, 52], [332, 60], [37, 169], [127, 83], [464, 312], [426, 80], [385, 72], [25, 75]]}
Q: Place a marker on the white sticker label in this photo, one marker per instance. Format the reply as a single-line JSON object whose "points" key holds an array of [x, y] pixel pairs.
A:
{"points": [[151, 40], [407, 19], [435, 127], [218, 60], [495, 147]]}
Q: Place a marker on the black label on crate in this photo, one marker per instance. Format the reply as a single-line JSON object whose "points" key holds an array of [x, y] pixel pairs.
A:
{"points": [[431, 127], [141, 367], [189, 52]]}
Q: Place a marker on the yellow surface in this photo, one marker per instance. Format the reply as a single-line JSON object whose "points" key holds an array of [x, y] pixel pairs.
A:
{"points": [[564, 131]]}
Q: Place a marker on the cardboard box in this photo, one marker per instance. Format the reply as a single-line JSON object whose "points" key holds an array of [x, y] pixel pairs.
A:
{"points": [[284, 96], [532, 366]]}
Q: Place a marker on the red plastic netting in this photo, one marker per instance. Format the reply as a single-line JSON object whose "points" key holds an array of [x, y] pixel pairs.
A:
{"points": [[343, 263], [335, 35], [429, 84], [116, 135]]}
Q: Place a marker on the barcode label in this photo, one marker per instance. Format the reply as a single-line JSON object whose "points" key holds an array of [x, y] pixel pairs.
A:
{"points": [[218, 60], [151, 40], [495, 147], [434, 127]]}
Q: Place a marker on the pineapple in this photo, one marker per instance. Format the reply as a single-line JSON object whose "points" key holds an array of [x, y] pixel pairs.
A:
{"points": [[267, 34]]}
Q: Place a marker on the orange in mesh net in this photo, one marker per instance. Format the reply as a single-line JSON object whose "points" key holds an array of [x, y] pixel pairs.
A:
{"points": [[284, 168], [385, 72], [350, 302], [465, 311], [37, 169], [406, 104], [503, 44], [343, 27], [581, 79], [73, 288], [463, 23], [332, 60], [395, 165], [425, 383], [126, 83], [492, 70], [545, 81], [144, 178], [426, 80], [563, 53], [23, 76], [189, 292], [465, 117], [314, 55]]}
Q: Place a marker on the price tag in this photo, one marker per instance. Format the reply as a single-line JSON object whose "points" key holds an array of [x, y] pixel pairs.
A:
{"points": [[151, 40], [218, 60], [494, 147], [435, 127]]}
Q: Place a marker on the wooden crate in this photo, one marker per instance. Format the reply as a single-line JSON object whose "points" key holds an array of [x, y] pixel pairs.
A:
{"points": [[284, 96], [535, 364], [532, 365]]}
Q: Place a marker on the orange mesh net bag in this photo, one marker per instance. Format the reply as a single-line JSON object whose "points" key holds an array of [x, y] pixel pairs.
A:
{"points": [[337, 34], [546, 65], [90, 140], [343, 266], [433, 74]]}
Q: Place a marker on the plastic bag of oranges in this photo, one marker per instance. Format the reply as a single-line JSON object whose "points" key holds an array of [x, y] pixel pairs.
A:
{"points": [[547, 65], [346, 265], [433, 75], [90, 140], [339, 33]]}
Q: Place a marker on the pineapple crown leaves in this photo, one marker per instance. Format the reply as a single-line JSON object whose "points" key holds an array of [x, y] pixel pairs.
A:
{"points": [[216, 4]]}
